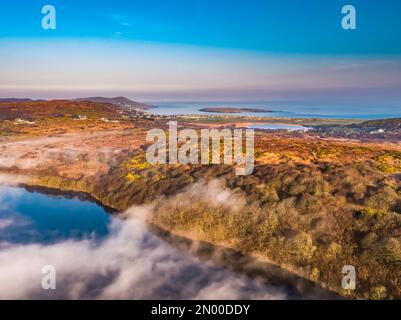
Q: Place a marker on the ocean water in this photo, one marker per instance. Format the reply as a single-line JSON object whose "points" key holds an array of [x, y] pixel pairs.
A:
{"points": [[367, 111]]}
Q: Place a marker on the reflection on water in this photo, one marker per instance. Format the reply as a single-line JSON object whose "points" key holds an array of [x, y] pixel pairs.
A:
{"points": [[98, 256], [35, 218]]}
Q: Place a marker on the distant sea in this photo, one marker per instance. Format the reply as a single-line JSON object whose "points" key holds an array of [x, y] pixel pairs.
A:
{"points": [[283, 109]]}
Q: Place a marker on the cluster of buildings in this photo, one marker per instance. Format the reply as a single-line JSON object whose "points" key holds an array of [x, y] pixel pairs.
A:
{"points": [[22, 121]]}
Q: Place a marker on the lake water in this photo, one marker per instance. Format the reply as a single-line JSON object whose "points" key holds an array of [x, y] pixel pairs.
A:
{"points": [[367, 110], [278, 126], [32, 217], [99, 256]]}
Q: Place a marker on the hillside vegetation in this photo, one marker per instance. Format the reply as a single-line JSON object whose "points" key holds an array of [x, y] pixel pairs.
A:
{"points": [[311, 206]]}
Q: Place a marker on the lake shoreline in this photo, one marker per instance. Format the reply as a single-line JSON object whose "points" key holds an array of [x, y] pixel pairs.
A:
{"points": [[69, 194], [255, 267]]}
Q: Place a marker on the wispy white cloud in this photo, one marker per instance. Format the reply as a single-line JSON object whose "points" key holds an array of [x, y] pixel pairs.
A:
{"points": [[129, 264], [5, 223]]}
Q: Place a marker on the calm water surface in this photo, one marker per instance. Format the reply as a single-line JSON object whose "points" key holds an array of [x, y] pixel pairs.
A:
{"points": [[367, 110], [98, 256]]}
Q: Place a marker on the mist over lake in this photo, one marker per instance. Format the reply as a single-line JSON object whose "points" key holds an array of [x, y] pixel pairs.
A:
{"points": [[97, 256]]}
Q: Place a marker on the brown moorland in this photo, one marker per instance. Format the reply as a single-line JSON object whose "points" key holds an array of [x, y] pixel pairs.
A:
{"points": [[312, 205]]}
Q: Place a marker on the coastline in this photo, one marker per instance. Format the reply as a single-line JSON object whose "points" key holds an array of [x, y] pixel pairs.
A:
{"points": [[303, 200]]}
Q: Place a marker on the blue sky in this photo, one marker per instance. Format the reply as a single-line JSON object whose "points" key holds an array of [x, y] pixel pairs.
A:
{"points": [[286, 26], [272, 48]]}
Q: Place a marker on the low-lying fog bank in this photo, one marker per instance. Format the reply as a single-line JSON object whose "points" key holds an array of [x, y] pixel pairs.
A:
{"points": [[130, 263]]}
